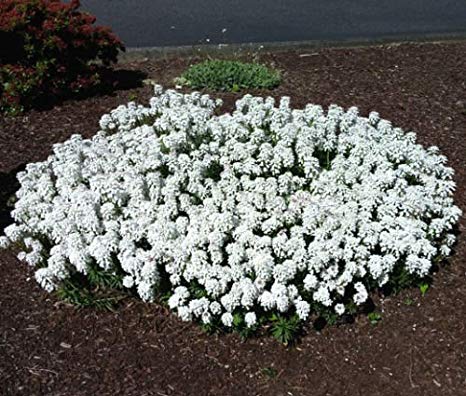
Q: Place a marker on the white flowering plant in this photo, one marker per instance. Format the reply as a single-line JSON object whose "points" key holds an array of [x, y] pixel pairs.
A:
{"points": [[267, 215]]}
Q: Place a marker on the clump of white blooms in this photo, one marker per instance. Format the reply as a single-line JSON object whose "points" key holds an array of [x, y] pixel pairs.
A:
{"points": [[265, 209]]}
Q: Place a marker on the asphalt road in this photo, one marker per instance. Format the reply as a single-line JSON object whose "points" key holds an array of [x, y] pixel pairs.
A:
{"points": [[147, 23]]}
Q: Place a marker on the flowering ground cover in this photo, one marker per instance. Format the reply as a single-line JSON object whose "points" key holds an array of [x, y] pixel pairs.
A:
{"points": [[417, 344], [267, 214]]}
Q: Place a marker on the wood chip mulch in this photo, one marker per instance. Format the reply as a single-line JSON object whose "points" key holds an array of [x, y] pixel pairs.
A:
{"points": [[419, 346]]}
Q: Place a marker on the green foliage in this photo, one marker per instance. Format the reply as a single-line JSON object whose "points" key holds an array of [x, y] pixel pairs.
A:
{"points": [[97, 277], [270, 372], [82, 297], [285, 329], [132, 97], [401, 279], [98, 288], [214, 171], [423, 287], [409, 301], [233, 76], [208, 328], [240, 327], [351, 308], [374, 318], [330, 317], [196, 290], [325, 158]]}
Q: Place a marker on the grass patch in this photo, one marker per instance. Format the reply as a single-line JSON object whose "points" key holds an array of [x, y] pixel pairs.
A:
{"points": [[225, 75]]}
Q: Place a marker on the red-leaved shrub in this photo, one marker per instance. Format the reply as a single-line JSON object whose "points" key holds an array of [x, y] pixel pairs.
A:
{"points": [[49, 49]]}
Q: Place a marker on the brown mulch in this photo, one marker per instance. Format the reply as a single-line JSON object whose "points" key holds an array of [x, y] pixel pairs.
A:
{"points": [[419, 346]]}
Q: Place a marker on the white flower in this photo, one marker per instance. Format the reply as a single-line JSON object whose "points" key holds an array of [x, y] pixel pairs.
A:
{"points": [[145, 291], [184, 313], [45, 279], [322, 295], [4, 242], [14, 232], [227, 319], [302, 309], [361, 293], [339, 309], [250, 319], [254, 208], [21, 256], [267, 300], [310, 282], [215, 308]]}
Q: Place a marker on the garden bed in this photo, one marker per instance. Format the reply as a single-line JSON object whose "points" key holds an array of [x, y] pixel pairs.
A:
{"points": [[48, 347]]}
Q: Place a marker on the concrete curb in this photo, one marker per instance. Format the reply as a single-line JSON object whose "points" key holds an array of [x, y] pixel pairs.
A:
{"points": [[142, 53]]}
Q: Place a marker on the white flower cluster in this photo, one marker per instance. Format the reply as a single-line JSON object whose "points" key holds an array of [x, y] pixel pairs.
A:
{"points": [[265, 209]]}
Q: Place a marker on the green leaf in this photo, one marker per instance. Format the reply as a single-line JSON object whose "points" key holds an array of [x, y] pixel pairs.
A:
{"points": [[237, 320], [374, 318], [409, 301], [423, 287], [285, 329], [270, 372]]}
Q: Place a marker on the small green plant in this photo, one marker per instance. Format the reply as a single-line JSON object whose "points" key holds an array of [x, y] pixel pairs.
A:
{"points": [[240, 327], [98, 277], [98, 288], [225, 75], [270, 372], [423, 287], [285, 329], [374, 318], [409, 301], [132, 97], [210, 328], [82, 297], [400, 279]]}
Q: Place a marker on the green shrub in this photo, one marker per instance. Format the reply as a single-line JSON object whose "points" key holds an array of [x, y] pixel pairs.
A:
{"points": [[224, 75]]}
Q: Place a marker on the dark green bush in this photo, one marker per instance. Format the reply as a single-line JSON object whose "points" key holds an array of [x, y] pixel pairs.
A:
{"points": [[224, 75]]}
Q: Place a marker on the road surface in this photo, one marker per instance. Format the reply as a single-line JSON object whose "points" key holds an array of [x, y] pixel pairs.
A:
{"points": [[154, 23]]}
